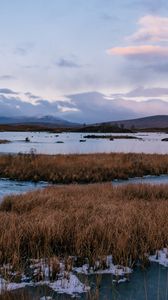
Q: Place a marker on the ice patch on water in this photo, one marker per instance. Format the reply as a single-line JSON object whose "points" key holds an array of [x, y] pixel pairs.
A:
{"points": [[118, 271], [160, 257], [70, 286]]}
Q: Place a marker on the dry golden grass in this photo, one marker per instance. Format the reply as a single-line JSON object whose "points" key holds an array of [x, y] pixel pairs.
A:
{"points": [[86, 168], [88, 221]]}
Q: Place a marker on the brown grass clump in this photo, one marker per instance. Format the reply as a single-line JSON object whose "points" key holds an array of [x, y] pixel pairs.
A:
{"points": [[88, 221], [4, 141], [86, 168]]}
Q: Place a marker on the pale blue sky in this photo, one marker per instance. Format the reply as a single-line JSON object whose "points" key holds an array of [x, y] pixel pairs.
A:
{"points": [[57, 48]]}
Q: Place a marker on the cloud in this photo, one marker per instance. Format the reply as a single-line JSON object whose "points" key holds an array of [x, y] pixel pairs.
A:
{"points": [[31, 66], [24, 49], [144, 93], [16, 106], [148, 44], [149, 5], [65, 63], [7, 91], [7, 77], [161, 67], [149, 107], [96, 107], [110, 17], [88, 107], [21, 51], [66, 109], [31, 96], [106, 17], [152, 29], [140, 52]]}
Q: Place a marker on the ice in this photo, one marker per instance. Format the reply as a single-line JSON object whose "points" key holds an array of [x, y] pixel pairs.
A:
{"points": [[160, 257], [70, 286]]}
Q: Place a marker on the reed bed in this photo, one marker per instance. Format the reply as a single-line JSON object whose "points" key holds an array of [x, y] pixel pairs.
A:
{"points": [[86, 168], [88, 221]]}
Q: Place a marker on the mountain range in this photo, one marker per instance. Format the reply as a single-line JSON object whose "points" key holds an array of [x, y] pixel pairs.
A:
{"points": [[48, 121], [158, 121]]}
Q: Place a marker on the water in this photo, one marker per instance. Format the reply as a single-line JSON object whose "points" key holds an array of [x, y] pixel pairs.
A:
{"points": [[11, 187], [149, 284], [43, 142], [162, 179]]}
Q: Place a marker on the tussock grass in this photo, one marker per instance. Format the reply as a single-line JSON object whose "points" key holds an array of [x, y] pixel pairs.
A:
{"points": [[86, 168], [89, 221]]}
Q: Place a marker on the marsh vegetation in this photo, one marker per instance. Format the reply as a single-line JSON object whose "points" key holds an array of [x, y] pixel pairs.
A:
{"points": [[84, 168], [88, 221]]}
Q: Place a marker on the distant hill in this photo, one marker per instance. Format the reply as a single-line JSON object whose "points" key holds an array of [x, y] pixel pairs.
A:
{"points": [[51, 123], [153, 123], [48, 121], [159, 121]]}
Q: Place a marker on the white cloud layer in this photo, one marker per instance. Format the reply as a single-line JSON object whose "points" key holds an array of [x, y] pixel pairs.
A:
{"points": [[152, 29], [140, 51], [87, 107]]}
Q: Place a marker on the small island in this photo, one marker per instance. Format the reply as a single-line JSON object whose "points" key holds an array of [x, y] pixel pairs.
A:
{"points": [[4, 142], [111, 137]]}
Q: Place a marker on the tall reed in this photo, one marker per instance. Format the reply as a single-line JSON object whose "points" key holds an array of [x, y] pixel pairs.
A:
{"points": [[88, 221]]}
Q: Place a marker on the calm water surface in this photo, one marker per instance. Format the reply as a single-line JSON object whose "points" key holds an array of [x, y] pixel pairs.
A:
{"points": [[151, 284], [162, 179], [11, 187], [46, 143]]}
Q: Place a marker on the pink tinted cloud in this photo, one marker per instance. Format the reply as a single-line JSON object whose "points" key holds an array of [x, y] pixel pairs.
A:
{"points": [[152, 29], [139, 51]]}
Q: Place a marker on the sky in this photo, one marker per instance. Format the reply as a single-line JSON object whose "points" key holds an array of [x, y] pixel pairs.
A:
{"points": [[84, 60]]}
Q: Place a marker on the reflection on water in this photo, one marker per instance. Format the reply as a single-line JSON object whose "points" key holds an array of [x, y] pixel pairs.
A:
{"points": [[47, 143], [149, 284]]}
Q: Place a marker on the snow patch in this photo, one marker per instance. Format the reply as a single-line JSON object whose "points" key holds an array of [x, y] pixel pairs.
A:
{"points": [[65, 282], [69, 286], [118, 271], [160, 257], [10, 286]]}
